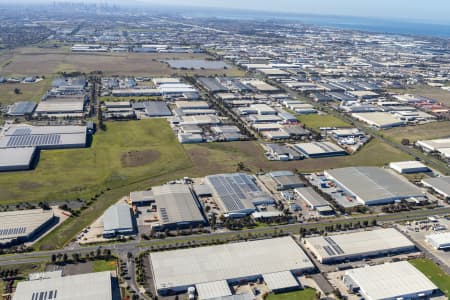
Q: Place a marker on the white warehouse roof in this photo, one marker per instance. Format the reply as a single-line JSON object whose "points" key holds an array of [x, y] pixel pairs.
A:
{"points": [[280, 281], [409, 167], [187, 267], [348, 245], [96, 286], [12, 159], [390, 281], [439, 240], [214, 289]]}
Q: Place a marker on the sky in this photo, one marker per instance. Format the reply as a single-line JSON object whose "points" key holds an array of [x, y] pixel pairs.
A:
{"points": [[437, 11]]}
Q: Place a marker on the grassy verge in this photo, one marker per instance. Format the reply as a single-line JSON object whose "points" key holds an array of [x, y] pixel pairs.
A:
{"points": [[28, 91], [434, 273], [306, 294], [415, 133], [104, 265]]}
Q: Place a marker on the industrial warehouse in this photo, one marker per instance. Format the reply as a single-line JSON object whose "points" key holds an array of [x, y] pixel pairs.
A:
{"points": [[117, 220], [358, 245], [238, 194], [43, 137], [398, 280], [24, 225], [52, 285], [16, 159], [176, 207], [440, 185], [439, 241], [176, 271], [373, 185]]}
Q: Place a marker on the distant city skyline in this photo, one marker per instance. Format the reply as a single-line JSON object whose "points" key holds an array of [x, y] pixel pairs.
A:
{"points": [[434, 11]]}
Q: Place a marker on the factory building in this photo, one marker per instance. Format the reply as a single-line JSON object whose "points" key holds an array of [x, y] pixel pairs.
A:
{"points": [[409, 167], [44, 137], [373, 185], [439, 240], [440, 185], [380, 120], [24, 225], [117, 220], [22, 108], [282, 152], [153, 108], [390, 281], [238, 194], [314, 200], [358, 245], [177, 207], [46, 286], [16, 159], [176, 271], [281, 282], [320, 149], [286, 180]]}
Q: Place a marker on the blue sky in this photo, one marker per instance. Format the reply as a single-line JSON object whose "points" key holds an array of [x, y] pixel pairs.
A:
{"points": [[429, 10]]}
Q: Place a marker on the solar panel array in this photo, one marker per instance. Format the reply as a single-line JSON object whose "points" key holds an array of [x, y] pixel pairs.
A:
{"points": [[164, 215], [33, 140], [13, 231], [22, 131], [233, 189], [333, 248], [47, 295]]}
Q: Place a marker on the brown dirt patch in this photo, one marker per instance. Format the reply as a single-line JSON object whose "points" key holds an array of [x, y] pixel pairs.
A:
{"points": [[132, 159]]}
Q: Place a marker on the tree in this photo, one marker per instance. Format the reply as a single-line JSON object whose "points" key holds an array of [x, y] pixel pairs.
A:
{"points": [[17, 91], [405, 142]]}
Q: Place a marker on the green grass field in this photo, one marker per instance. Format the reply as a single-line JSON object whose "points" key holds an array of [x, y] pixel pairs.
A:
{"points": [[127, 152], [28, 91], [415, 133], [104, 265], [434, 273], [223, 157], [317, 121], [306, 294]]}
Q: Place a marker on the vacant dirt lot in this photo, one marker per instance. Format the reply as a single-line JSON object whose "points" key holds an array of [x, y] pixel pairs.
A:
{"points": [[29, 61], [139, 158]]}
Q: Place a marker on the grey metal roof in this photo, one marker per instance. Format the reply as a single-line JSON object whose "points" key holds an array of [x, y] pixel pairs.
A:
{"points": [[440, 184], [22, 108], [372, 184], [212, 84], [117, 218], [157, 109], [310, 196], [86, 286], [176, 204], [22, 223], [16, 157]]}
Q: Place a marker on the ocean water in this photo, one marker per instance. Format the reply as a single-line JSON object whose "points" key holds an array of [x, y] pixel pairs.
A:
{"points": [[404, 26]]}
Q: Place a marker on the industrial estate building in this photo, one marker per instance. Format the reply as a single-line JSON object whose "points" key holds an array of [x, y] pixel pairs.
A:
{"points": [[374, 186], [117, 220], [286, 180], [440, 185], [320, 149], [16, 159], [409, 167], [177, 207], [358, 245], [24, 225], [314, 200], [43, 137], [101, 286], [237, 193], [439, 240], [390, 281], [176, 271]]}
